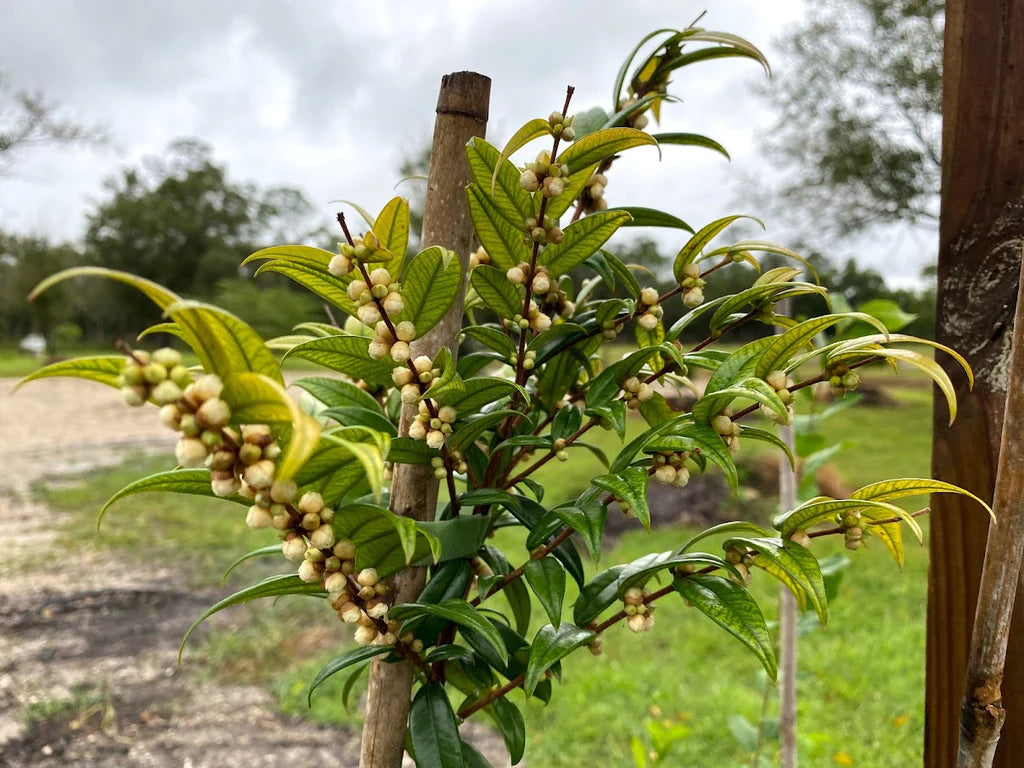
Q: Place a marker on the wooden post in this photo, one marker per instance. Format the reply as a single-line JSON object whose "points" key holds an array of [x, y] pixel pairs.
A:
{"points": [[462, 108], [980, 232], [982, 712]]}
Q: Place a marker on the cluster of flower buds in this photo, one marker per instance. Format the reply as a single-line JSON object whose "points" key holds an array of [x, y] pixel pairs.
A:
{"points": [[636, 120], [433, 429], [560, 447], [382, 294], [159, 377], [649, 318], [458, 463], [778, 381], [529, 359], [384, 343], [361, 600], [479, 256], [609, 330], [640, 615], [592, 195], [853, 531], [842, 379], [561, 126], [410, 383], [693, 283], [728, 429], [670, 468], [544, 175], [364, 249], [635, 392], [544, 230], [742, 561]]}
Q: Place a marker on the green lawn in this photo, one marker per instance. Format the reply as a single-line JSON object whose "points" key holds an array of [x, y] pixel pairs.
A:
{"points": [[861, 684]]}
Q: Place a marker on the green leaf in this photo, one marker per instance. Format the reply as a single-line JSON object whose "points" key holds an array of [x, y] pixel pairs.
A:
{"points": [[430, 284], [268, 551], [731, 607], [600, 145], [640, 571], [691, 140], [734, 526], [549, 646], [901, 487], [316, 258], [508, 195], [460, 537], [574, 184], [384, 541], [709, 406], [458, 612], [348, 355], [620, 78], [224, 344], [588, 521], [496, 291], [705, 235], [189, 481], [493, 338], [473, 758], [473, 428], [651, 217], [405, 450], [513, 729], [581, 239], [372, 460], [546, 578], [822, 508], [732, 44], [335, 393], [349, 658], [392, 230], [504, 243], [892, 536], [784, 346], [474, 394], [783, 559], [712, 448], [274, 586], [316, 279], [257, 399], [106, 369], [159, 295], [600, 592], [533, 129], [629, 486], [433, 729]]}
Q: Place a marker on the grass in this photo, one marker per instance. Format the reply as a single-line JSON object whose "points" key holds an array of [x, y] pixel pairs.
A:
{"points": [[861, 684]]}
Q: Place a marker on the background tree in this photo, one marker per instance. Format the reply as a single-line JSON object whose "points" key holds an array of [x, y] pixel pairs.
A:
{"points": [[28, 120], [857, 100]]}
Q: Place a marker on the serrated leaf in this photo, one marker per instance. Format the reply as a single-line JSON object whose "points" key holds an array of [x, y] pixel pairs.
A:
{"points": [[629, 486], [508, 195], [433, 729], [600, 145], [546, 578], [496, 291], [691, 140], [458, 612], [105, 369], [392, 230], [581, 239], [274, 586], [431, 282], [705, 235], [349, 658], [348, 355], [549, 646], [504, 243], [731, 607], [195, 482]]}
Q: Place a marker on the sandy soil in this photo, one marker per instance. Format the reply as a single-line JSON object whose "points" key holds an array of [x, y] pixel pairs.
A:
{"points": [[66, 627]]}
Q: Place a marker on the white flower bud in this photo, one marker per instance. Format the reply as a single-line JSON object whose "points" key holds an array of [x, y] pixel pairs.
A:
{"points": [[693, 297], [637, 622], [410, 394], [401, 376], [377, 610], [365, 635], [165, 393], [422, 364], [294, 548], [447, 414], [722, 424], [224, 485], [692, 270], [308, 572], [649, 296], [336, 582], [393, 303], [311, 503], [682, 477], [632, 384], [260, 475], [665, 474], [644, 391], [529, 181], [213, 414], [418, 431], [541, 283], [405, 331], [367, 577], [633, 596], [258, 517], [170, 416], [190, 452], [257, 434], [540, 323], [344, 549], [380, 276], [368, 314], [776, 380], [339, 265], [379, 349], [207, 386], [435, 438], [647, 321], [516, 276], [400, 352], [322, 537], [283, 491], [553, 187], [134, 396]]}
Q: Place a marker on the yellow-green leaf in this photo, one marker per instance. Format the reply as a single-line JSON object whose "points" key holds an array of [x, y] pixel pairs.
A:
{"points": [[429, 287], [600, 145], [892, 536], [705, 235], [776, 355], [505, 244], [346, 354], [392, 230], [508, 195], [105, 369], [533, 129], [581, 239], [901, 487]]}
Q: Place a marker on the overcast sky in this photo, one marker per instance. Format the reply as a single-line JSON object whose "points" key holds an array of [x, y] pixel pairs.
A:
{"points": [[331, 97]]}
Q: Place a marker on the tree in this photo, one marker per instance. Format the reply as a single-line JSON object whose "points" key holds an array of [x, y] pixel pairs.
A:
{"points": [[24, 261], [858, 102], [404, 553], [28, 120]]}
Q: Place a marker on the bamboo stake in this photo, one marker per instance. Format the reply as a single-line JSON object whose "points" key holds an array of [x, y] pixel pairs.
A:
{"points": [[462, 108], [981, 711]]}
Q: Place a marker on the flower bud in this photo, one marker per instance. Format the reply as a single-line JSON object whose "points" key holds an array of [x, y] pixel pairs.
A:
{"points": [[665, 474], [190, 452], [308, 572], [258, 517], [249, 453], [776, 380], [154, 373], [294, 548], [356, 288], [722, 424], [647, 321], [540, 323], [344, 549], [633, 596], [213, 414], [637, 623], [336, 582], [393, 303], [165, 393], [170, 416], [376, 610], [380, 276], [339, 265], [378, 349], [134, 395], [322, 537], [447, 414], [418, 431], [367, 577], [516, 276], [260, 475], [405, 331], [167, 357], [365, 635], [224, 483], [400, 352], [283, 491], [368, 314], [649, 296], [401, 376], [693, 297], [529, 181], [435, 438], [553, 187], [682, 477], [541, 283]]}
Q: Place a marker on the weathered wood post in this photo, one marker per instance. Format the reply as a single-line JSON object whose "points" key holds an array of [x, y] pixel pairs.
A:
{"points": [[462, 108]]}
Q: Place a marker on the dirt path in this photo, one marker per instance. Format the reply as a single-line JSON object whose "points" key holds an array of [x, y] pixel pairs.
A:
{"points": [[68, 634]]}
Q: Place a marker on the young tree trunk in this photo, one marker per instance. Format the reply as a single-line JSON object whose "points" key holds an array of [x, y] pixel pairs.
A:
{"points": [[982, 712], [980, 232], [787, 626], [462, 108]]}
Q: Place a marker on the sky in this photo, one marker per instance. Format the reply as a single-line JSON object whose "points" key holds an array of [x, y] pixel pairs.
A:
{"points": [[332, 97]]}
